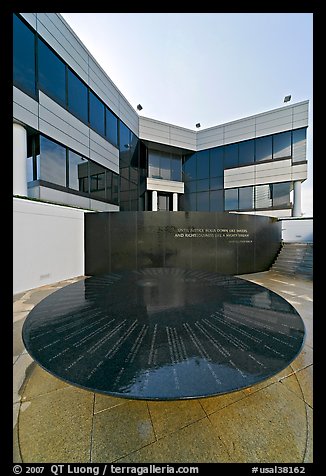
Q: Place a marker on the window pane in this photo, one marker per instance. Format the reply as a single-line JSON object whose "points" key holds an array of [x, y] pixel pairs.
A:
{"points": [[24, 56], [203, 164], [176, 168], [115, 188], [154, 164], [202, 185], [231, 199], [124, 144], [246, 198], [189, 167], [77, 97], [282, 145], [216, 201], [191, 187], [108, 185], [97, 180], [52, 162], [263, 148], [51, 74], [263, 198], [165, 166], [216, 161], [96, 114], [281, 194], [231, 156], [111, 127], [216, 183], [78, 172], [203, 202], [247, 152], [299, 145]]}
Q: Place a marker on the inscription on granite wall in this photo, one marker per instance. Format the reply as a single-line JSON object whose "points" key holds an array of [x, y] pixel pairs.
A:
{"points": [[212, 241]]}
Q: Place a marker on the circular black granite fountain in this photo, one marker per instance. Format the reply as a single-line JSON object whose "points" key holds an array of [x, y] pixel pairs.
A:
{"points": [[163, 334]]}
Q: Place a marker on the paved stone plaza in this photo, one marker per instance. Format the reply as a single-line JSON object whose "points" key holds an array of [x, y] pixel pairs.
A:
{"points": [[269, 422]]}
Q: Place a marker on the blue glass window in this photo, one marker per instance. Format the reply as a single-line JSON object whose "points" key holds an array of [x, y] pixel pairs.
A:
{"points": [[247, 152], [51, 74], [203, 164], [191, 187], [231, 199], [124, 144], [216, 161], [263, 148], [111, 131], [77, 97], [189, 167], [51, 162], [97, 180], [165, 166], [96, 114], [231, 158], [176, 168], [282, 145], [202, 185], [24, 57], [246, 198], [190, 202], [299, 145], [216, 201], [216, 183], [281, 194], [78, 172]]}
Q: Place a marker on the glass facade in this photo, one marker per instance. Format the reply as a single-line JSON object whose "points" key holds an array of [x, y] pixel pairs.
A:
{"points": [[56, 166], [37, 66], [24, 74], [164, 165], [51, 74], [77, 97]]}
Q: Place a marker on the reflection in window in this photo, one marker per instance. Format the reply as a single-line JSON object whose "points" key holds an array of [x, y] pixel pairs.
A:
{"points": [[281, 194], [52, 162], [97, 180], [263, 196], [231, 156], [231, 199], [78, 172], [282, 145], [264, 148], [191, 187], [164, 165], [203, 164], [216, 161], [51, 74], [96, 114], [23, 57], [298, 145], [247, 152], [246, 198], [111, 131], [77, 97], [29, 160]]}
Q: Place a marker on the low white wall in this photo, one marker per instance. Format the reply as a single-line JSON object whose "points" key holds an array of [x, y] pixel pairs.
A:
{"points": [[298, 230], [48, 244]]}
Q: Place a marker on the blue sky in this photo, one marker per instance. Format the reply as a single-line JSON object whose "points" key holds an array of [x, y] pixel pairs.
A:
{"points": [[210, 68]]}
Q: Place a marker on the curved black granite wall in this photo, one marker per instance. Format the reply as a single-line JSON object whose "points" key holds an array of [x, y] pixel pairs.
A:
{"points": [[213, 241]]}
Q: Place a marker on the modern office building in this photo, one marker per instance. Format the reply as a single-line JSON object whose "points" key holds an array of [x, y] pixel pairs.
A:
{"points": [[78, 141]]}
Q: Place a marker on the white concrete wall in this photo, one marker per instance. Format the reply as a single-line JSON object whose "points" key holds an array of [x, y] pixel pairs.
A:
{"points": [[298, 230], [48, 244]]}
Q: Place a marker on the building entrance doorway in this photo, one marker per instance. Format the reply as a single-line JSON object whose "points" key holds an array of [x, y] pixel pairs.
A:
{"points": [[163, 202]]}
